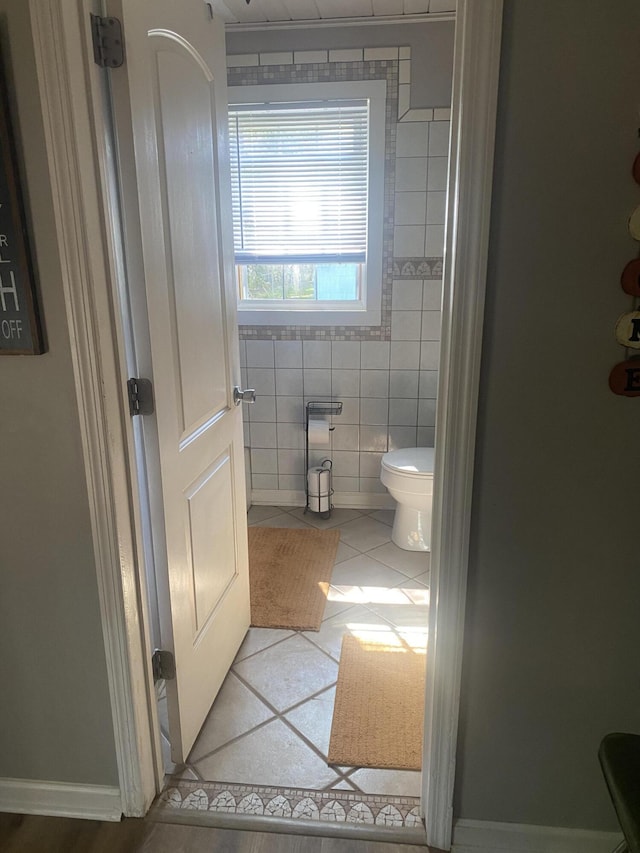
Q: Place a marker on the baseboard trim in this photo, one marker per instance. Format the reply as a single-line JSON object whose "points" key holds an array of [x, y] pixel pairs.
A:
{"points": [[348, 500], [60, 799], [473, 836]]}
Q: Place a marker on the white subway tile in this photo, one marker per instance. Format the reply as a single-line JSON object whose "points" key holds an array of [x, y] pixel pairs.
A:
{"points": [[434, 242], [370, 464], [402, 436], [345, 355], [418, 116], [345, 437], [403, 412], [342, 485], [412, 139], [411, 208], [290, 436], [427, 413], [289, 410], [316, 353], [431, 324], [404, 72], [349, 55], [240, 60], [289, 381], [374, 438], [438, 169], [305, 57], [432, 300], [263, 410], [346, 463], [374, 383], [374, 410], [408, 241], [442, 114], [260, 354], [406, 295], [429, 355], [426, 436], [405, 355], [291, 482], [317, 383], [264, 461], [405, 325], [428, 384], [285, 58], [411, 174], [380, 53], [264, 481], [371, 484], [439, 139], [263, 379], [436, 208], [374, 355], [345, 383], [263, 435], [404, 53], [350, 411], [403, 383], [288, 353], [404, 99]]}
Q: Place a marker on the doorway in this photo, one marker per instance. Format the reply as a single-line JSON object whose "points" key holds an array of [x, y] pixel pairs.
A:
{"points": [[89, 295]]}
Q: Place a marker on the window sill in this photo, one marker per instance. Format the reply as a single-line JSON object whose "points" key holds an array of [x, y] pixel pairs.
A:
{"points": [[302, 317]]}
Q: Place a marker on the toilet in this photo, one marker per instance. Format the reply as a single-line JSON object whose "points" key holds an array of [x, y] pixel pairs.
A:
{"points": [[408, 476]]}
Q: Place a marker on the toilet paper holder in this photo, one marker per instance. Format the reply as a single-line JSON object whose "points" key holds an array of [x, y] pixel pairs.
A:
{"points": [[315, 408]]}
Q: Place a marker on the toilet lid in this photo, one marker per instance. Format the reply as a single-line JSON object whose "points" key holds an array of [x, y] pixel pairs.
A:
{"points": [[410, 460]]}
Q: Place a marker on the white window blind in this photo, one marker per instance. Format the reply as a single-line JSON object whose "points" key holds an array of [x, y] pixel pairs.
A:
{"points": [[299, 175]]}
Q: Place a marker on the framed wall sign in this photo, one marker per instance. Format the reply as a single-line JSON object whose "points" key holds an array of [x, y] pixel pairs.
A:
{"points": [[20, 328]]}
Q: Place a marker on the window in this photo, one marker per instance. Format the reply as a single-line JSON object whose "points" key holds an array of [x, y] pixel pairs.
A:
{"points": [[307, 166]]}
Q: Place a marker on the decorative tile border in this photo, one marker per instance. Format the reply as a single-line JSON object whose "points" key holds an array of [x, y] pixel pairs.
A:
{"points": [[335, 806], [422, 268]]}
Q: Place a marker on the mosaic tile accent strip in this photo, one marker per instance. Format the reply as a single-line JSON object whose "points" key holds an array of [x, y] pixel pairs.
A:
{"points": [[422, 268], [324, 72], [334, 806]]}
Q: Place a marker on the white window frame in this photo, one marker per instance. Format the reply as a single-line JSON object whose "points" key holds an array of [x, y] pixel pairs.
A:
{"points": [[368, 311]]}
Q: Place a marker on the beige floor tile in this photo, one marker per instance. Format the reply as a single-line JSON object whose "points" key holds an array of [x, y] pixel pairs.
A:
{"points": [[345, 552], [313, 719], [363, 570], [386, 516], [400, 783], [338, 516], [356, 620], [260, 513], [285, 519], [289, 672], [365, 533], [258, 639], [410, 563], [235, 711], [272, 755]]}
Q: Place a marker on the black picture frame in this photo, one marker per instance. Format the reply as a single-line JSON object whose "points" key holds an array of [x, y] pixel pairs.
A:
{"points": [[20, 321]]}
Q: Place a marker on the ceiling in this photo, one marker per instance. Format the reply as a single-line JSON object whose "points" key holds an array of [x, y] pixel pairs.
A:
{"points": [[238, 12]]}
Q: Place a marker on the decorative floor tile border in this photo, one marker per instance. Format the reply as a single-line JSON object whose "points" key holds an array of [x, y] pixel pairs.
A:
{"points": [[336, 806]]}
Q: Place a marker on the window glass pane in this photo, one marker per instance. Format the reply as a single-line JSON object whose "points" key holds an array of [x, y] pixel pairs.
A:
{"points": [[262, 281], [299, 281], [337, 281], [321, 282]]}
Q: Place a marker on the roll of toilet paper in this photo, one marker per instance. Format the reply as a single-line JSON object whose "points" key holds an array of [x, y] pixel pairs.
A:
{"points": [[318, 434], [319, 489]]}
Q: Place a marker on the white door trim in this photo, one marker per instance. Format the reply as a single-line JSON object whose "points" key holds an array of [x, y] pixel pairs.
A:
{"points": [[69, 82], [72, 115], [473, 120]]}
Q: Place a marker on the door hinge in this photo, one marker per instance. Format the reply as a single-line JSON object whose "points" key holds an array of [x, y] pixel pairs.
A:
{"points": [[140, 392], [108, 46], [163, 664]]}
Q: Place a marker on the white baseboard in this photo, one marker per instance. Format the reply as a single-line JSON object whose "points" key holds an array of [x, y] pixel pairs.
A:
{"points": [[474, 836], [60, 799], [352, 500]]}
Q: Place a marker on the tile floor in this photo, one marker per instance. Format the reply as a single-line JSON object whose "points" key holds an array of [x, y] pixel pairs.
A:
{"points": [[271, 721]]}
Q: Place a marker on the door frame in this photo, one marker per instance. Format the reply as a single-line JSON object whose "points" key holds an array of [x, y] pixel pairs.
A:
{"points": [[72, 92]]}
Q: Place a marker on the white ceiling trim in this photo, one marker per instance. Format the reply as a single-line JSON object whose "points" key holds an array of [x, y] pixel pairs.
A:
{"points": [[431, 17]]}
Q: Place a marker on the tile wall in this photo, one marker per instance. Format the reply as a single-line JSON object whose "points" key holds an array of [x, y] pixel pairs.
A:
{"points": [[388, 385]]}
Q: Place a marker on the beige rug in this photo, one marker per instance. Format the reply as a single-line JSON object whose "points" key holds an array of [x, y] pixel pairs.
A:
{"points": [[289, 573], [379, 708]]}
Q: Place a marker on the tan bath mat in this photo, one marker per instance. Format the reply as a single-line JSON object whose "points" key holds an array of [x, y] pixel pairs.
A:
{"points": [[379, 709], [289, 572]]}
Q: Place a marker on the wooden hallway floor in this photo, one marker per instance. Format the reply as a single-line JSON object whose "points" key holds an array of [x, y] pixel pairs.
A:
{"points": [[37, 834]]}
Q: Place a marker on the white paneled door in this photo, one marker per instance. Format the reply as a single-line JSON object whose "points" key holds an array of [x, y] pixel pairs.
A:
{"points": [[172, 92]]}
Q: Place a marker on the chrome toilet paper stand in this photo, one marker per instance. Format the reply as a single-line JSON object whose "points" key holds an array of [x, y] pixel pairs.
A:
{"points": [[314, 408]]}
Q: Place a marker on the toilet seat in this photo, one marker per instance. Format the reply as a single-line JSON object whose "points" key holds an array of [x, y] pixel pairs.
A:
{"points": [[413, 462]]}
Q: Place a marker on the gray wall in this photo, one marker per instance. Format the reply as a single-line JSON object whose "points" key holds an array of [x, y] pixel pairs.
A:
{"points": [[553, 620], [55, 716], [432, 49]]}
